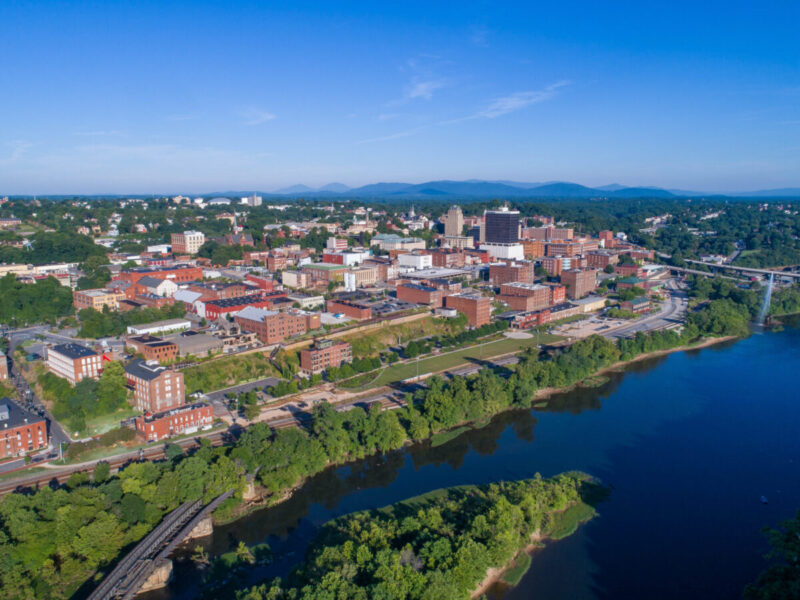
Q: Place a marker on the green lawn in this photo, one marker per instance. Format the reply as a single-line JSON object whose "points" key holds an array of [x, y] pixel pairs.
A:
{"points": [[450, 360], [521, 565]]}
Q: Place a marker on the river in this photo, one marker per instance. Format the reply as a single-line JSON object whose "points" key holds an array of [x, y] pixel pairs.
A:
{"points": [[689, 441]]}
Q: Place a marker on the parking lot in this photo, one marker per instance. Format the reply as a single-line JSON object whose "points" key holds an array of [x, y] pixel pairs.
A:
{"points": [[586, 327]]}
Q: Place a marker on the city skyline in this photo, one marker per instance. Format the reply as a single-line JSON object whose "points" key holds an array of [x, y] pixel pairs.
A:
{"points": [[199, 97]]}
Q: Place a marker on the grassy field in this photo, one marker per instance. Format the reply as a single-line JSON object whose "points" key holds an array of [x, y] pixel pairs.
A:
{"points": [[565, 523], [224, 372], [104, 423], [521, 565], [459, 357], [372, 342], [443, 437]]}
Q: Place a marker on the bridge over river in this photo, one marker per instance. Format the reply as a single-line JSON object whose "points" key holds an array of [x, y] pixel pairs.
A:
{"points": [[150, 554]]}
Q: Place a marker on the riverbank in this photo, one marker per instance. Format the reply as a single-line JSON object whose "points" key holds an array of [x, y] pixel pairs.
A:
{"points": [[261, 498], [545, 393]]}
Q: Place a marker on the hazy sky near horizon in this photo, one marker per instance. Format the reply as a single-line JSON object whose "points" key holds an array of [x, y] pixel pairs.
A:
{"points": [[168, 96]]}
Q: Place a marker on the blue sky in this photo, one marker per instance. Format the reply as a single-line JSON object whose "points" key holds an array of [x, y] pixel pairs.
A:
{"points": [[165, 97]]}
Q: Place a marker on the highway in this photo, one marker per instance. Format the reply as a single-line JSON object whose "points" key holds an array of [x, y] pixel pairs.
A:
{"points": [[672, 311]]}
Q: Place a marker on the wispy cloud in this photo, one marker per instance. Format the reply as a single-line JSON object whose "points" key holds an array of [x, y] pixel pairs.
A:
{"points": [[392, 136], [255, 116], [513, 102], [422, 88]]}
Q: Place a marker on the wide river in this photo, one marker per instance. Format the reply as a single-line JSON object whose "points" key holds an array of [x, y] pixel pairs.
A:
{"points": [[689, 442]]}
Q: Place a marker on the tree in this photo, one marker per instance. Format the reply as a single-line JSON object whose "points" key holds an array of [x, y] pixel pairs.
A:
{"points": [[111, 390], [102, 471]]}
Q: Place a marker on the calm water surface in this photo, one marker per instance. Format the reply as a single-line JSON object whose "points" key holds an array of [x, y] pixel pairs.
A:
{"points": [[689, 443]]}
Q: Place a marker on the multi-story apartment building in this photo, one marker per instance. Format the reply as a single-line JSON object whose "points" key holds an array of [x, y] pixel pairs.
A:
{"points": [[97, 299], [188, 242], [324, 354], [532, 248], [449, 258], [600, 259], [526, 296], [477, 308], [509, 271], [579, 282], [272, 326], [73, 362], [155, 388], [550, 233], [21, 432], [296, 279]]}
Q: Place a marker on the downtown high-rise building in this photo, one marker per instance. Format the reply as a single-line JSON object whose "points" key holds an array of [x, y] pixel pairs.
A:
{"points": [[454, 221], [502, 226]]}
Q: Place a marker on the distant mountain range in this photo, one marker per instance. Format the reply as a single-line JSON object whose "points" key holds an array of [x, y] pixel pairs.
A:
{"points": [[476, 188]]}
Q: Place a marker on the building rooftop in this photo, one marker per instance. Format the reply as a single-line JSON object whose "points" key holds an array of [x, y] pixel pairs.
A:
{"points": [[588, 300], [255, 314], [148, 281], [437, 273], [417, 286], [237, 301], [147, 370], [73, 350], [526, 286], [150, 417], [165, 323], [12, 415]]}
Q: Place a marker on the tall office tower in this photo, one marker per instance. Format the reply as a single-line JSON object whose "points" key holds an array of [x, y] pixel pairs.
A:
{"points": [[502, 226], [454, 221]]}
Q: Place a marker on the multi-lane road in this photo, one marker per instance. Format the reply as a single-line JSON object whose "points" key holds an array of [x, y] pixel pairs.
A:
{"points": [[672, 311]]}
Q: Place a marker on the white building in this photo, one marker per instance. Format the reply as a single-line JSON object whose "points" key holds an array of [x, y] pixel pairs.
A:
{"points": [[168, 326], [504, 251], [412, 260]]}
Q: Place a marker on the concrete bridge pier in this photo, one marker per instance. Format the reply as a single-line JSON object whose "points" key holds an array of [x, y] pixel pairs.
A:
{"points": [[159, 578], [202, 529]]}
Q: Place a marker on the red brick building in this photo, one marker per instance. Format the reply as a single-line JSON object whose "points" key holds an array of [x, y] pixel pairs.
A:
{"points": [[182, 419], [552, 265], [21, 432], [450, 258], [629, 270], [155, 388], [526, 296], [273, 327], [178, 274], [74, 362], [3, 366], [219, 291], [353, 310], [507, 272], [579, 282], [153, 348], [600, 259], [477, 308], [324, 354], [420, 294], [266, 284], [532, 248], [215, 308]]}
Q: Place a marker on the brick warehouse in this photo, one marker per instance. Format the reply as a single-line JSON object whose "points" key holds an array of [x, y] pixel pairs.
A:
{"points": [[324, 354], [21, 432]]}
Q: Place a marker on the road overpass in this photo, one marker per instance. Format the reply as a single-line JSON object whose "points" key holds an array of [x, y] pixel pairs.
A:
{"points": [[748, 270]]}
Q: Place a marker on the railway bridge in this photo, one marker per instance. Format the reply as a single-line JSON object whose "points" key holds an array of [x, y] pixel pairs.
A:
{"points": [[147, 566]]}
